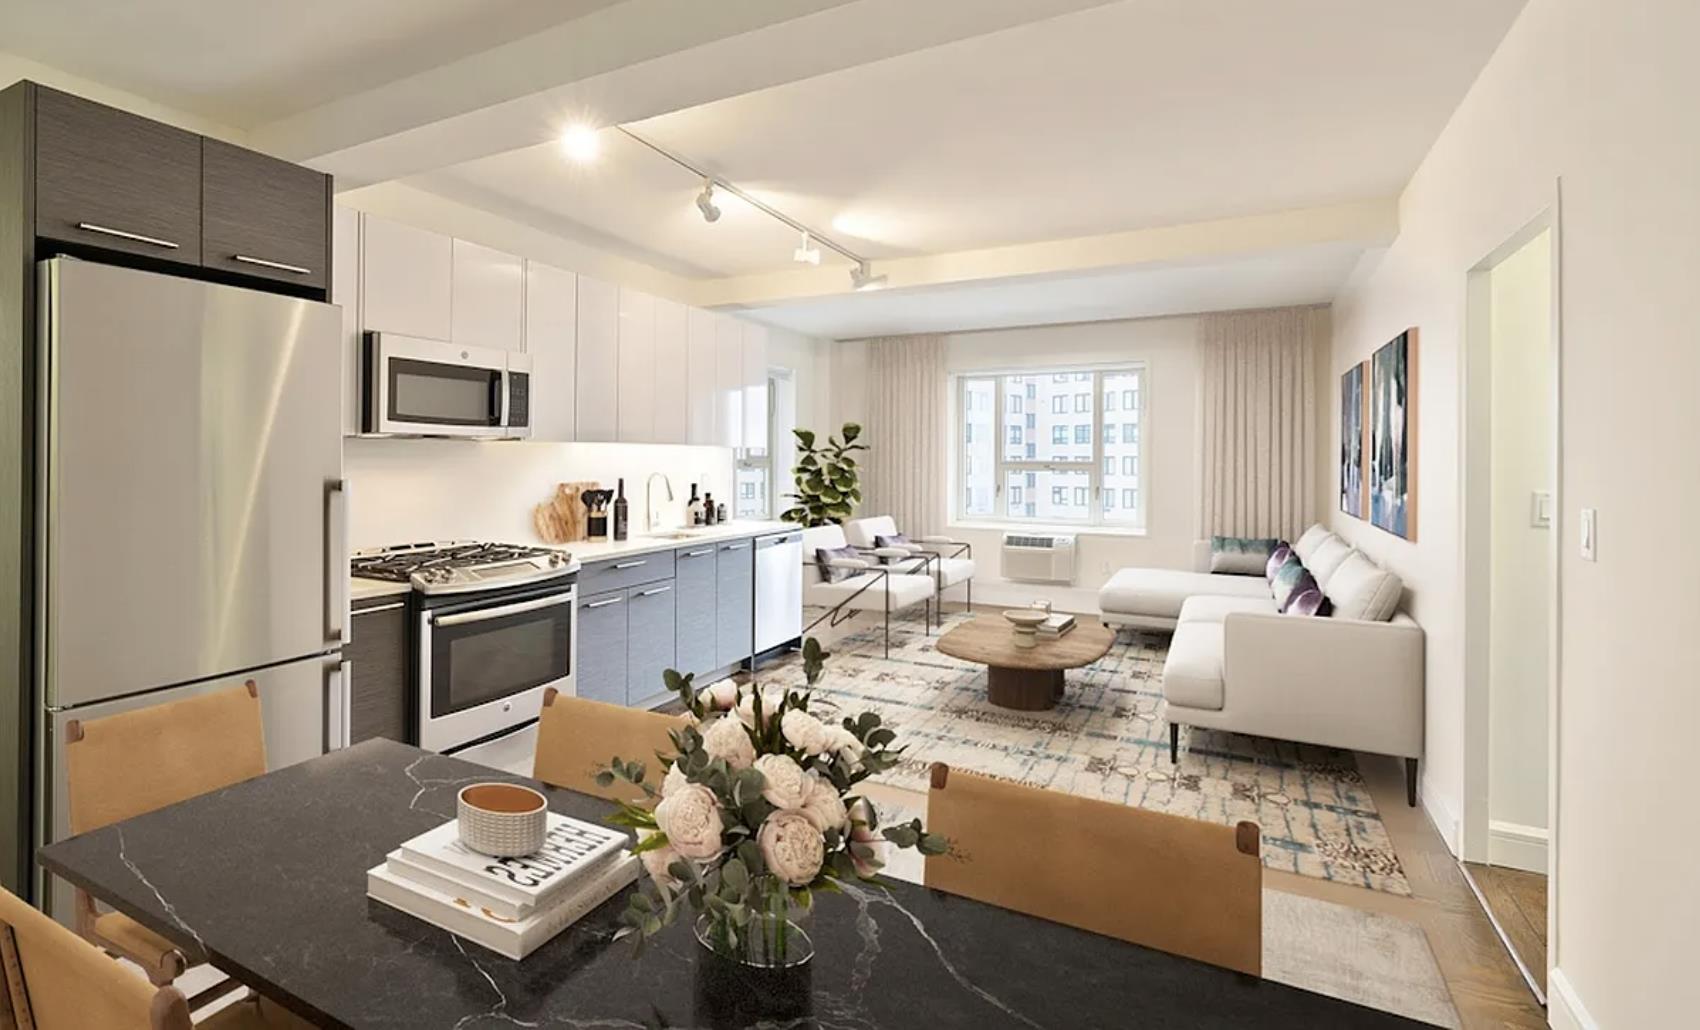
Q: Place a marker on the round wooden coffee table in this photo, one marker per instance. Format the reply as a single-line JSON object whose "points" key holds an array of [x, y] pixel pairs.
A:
{"points": [[1026, 679]]}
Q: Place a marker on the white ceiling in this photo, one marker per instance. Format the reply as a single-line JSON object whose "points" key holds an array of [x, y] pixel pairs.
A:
{"points": [[1135, 114], [1311, 275], [246, 62]]}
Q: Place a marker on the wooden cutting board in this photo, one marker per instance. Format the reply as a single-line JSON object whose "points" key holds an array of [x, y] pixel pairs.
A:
{"points": [[562, 519]]}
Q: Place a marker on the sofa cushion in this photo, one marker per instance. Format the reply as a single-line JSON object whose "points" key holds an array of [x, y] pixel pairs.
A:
{"points": [[1306, 545], [1326, 559], [1216, 607], [1304, 583], [1239, 555], [1277, 558], [1192, 674], [1309, 601], [1159, 593], [1286, 581], [1362, 590]]}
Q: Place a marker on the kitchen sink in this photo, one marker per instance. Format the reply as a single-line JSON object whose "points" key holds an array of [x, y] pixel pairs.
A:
{"points": [[677, 534]]}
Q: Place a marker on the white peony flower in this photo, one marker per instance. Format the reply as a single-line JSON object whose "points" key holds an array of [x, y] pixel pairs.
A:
{"points": [[791, 846], [727, 739], [823, 806], [842, 742], [786, 785], [805, 732], [691, 820], [656, 861], [719, 697], [770, 700], [674, 779]]}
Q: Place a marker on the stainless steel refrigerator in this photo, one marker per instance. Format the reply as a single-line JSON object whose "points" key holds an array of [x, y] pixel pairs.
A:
{"points": [[191, 514]]}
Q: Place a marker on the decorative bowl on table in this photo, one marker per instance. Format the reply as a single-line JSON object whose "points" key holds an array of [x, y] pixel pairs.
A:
{"points": [[1026, 622], [502, 820]]}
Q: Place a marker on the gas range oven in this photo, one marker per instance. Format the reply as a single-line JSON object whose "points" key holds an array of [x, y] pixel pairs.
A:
{"points": [[493, 627]]}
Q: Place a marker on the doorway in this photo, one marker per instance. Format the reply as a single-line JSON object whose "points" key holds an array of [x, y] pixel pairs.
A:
{"points": [[1511, 553]]}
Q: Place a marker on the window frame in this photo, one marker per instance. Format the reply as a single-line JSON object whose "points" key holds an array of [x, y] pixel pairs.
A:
{"points": [[1003, 467]]}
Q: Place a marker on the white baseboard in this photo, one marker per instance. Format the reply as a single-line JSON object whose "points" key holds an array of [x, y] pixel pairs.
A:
{"points": [[1517, 846], [1565, 1010], [1440, 814], [1065, 598]]}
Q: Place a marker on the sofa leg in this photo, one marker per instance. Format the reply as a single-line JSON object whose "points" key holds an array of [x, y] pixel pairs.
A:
{"points": [[1411, 782], [1174, 743]]}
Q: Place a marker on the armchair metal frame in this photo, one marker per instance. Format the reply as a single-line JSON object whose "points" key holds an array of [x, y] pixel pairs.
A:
{"points": [[882, 575]]}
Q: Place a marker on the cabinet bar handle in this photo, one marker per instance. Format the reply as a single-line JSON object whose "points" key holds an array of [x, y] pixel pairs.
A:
{"points": [[263, 263], [653, 592], [121, 234], [737, 547], [380, 608], [699, 554], [604, 604], [631, 564]]}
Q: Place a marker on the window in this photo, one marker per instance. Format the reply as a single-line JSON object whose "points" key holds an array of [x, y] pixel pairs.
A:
{"points": [[752, 475], [1045, 469]]}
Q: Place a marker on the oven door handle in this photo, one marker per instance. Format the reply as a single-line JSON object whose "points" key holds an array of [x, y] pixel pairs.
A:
{"points": [[501, 611]]}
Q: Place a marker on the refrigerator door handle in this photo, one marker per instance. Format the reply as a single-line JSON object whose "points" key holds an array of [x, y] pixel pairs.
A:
{"points": [[337, 577], [339, 705]]}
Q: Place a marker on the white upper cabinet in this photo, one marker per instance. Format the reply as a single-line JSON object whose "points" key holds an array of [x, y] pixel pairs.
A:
{"points": [[637, 367], [755, 386], [672, 373], [729, 381], [489, 297], [345, 292], [551, 340], [703, 376], [598, 380], [406, 278]]}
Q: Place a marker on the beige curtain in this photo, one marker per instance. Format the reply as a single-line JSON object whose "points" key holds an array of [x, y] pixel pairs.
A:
{"points": [[1258, 425], [907, 433]]}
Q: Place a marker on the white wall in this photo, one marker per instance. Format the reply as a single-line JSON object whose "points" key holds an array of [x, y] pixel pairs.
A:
{"points": [[403, 491], [1602, 96], [1522, 459], [13, 68]]}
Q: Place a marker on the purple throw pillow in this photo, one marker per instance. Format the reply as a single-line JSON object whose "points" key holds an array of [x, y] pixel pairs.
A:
{"points": [[1306, 598], [833, 573], [1277, 558], [894, 540]]}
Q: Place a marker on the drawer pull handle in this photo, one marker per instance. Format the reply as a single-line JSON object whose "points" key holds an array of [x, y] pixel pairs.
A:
{"points": [[653, 592], [631, 564], [279, 265], [604, 604], [121, 234], [699, 554], [737, 547]]}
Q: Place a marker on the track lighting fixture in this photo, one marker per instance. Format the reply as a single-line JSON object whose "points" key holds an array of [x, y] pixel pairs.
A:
{"points": [[862, 277], [705, 202], [806, 253]]}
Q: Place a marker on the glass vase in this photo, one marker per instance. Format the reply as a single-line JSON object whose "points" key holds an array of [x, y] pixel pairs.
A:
{"points": [[758, 973]]}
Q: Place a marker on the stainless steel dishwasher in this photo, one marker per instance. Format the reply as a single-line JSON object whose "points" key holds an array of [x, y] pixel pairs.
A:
{"points": [[779, 589]]}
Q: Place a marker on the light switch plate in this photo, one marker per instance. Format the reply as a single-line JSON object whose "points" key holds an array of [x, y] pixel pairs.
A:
{"points": [[1590, 534], [1540, 510]]}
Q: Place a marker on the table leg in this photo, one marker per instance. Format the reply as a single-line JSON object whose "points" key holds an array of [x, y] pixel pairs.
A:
{"points": [[1025, 690]]}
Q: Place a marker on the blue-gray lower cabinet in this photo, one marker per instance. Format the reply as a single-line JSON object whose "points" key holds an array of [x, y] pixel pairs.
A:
{"points": [[734, 600], [602, 647], [650, 649], [695, 635]]}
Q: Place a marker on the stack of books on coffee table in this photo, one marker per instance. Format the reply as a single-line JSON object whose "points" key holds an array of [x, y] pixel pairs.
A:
{"points": [[1055, 626], [510, 905]]}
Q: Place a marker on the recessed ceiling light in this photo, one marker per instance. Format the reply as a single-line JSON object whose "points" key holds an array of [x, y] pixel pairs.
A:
{"points": [[581, 142], [862, 277], [806, 253]]}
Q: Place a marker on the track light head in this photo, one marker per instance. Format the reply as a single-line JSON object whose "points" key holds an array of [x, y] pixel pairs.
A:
{"points": [[862, 277], [806, 253], [705, 202]]}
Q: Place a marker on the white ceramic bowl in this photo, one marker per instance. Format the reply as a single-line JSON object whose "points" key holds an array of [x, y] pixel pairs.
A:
{"points": [[1026, 618], [502, 819]]}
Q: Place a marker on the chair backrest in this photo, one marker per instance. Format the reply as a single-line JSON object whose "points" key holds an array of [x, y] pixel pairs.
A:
{"points": [[68, 984], [577, 737], [861, 532], [135, 762], [814, 538], [1178, 885]]}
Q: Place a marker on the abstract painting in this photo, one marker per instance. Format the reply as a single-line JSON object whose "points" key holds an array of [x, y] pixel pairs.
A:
{"points": [[1393, 436], [1352, 423]]}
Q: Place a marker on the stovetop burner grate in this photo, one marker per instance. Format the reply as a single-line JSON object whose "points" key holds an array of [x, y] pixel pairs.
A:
{"points": [[398, 564]]}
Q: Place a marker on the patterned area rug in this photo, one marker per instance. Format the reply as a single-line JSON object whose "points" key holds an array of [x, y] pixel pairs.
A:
{"points": [[1108, 739]]}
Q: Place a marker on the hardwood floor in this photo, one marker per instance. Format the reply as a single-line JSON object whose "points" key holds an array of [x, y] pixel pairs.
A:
{"points": [[1518, 901]]}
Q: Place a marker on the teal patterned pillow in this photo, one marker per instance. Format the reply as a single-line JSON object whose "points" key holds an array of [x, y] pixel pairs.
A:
{"points": [[1286, 581], [1240, 555]]}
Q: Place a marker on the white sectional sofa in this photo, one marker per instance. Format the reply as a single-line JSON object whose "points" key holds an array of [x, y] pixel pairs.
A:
{"points": [[1352, 679]]}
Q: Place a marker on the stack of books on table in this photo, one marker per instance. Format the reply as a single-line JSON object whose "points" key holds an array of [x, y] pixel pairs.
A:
{"points": [[510, 905], [1055, 626]]}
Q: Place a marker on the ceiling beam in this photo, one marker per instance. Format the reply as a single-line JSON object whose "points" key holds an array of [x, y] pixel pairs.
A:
{"points": [[619, 64]]}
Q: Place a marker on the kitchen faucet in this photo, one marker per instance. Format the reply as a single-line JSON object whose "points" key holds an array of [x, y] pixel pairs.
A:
{"points": [[649, 499]]}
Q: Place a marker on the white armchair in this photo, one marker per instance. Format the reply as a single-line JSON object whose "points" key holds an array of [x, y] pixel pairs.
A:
{"points": [[948, 562], [864, 586]]}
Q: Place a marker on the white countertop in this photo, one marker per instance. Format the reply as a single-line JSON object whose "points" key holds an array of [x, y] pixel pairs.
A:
{"points": [[587, 551]]}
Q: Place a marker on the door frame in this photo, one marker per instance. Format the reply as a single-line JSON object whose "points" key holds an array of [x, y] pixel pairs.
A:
{"points": [[1475, 442]]}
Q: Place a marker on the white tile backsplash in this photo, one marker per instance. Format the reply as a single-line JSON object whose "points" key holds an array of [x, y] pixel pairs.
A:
{"points": [[402, 491]]}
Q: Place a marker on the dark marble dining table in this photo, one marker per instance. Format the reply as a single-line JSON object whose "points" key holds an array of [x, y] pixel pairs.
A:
{"points": [[268, 878]]}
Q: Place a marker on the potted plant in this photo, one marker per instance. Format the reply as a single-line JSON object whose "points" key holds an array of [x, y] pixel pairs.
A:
{"points": [[828, 486]]}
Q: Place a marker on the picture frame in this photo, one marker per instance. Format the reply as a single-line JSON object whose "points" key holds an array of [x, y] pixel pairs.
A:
{"points": [[1354, 440], [1393, 436]]}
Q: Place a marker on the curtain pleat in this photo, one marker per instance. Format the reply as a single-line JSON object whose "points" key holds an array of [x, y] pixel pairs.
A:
{"points": [[1258, 423], [908, 433]]}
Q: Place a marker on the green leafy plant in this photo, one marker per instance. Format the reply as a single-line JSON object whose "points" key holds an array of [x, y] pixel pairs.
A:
{"points": [[757, 811], [828, 485]]}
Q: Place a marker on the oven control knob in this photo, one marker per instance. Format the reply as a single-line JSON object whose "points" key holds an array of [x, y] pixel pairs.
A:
{"points": [[507, 706], [554, 559]]}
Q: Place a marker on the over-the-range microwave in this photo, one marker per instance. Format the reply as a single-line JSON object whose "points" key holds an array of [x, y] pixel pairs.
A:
{"points": [[417, 387]]}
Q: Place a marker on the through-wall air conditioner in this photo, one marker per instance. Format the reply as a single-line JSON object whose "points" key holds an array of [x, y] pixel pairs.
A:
{"points": [[1039, 557]]}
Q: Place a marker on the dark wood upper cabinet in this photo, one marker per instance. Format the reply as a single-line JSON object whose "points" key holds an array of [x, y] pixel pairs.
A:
{"points": [[264, 217], [114, 180]]}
